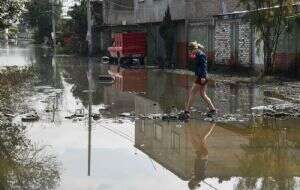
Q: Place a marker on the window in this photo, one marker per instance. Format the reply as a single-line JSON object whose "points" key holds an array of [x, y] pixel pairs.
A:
{"points": [[157, 131], [175, 144], [142, 128]]}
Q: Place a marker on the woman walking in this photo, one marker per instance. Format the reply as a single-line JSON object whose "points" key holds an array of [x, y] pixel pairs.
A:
{"points": [[200, 84]]}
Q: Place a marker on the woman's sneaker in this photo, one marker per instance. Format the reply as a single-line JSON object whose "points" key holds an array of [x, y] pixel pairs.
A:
{"points": [[184, 116], [211, 113]]}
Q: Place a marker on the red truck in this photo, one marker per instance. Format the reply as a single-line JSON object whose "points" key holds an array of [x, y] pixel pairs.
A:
{"points": [[129, 47]]}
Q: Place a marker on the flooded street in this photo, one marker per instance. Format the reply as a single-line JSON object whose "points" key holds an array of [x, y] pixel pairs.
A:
{"points": [[109, 145]]}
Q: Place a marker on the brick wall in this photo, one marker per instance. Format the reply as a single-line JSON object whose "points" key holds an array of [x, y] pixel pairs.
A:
{"points": [[232, 42], [222, 42], [244, 43]]}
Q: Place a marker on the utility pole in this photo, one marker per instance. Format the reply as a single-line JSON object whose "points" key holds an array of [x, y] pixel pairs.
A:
{"points": [[223, 8], [89, 76], [89, 28], [53, 34]]}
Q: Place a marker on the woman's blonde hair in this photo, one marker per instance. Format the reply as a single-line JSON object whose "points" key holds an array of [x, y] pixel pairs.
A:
{"points": [[195, 45]]}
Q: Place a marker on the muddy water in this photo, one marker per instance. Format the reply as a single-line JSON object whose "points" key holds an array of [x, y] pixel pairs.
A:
{"points": [[116, 152]]}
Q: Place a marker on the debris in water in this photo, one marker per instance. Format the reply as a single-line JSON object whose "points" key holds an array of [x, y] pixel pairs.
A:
{"points": [[9, 115], [96, 116], [33, 116], [105, 108], [106, 79], [127, 114], [78, 113]]}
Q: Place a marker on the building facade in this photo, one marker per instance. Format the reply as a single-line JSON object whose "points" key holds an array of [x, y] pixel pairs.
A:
{"points": [[217, 24]]}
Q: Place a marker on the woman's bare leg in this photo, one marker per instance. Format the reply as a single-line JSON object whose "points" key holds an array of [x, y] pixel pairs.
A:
{"points": [[206, 98], [193, 92]]}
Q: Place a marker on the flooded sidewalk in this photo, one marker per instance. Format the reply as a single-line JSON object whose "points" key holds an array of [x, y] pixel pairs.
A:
{"points": [[92, 135]]}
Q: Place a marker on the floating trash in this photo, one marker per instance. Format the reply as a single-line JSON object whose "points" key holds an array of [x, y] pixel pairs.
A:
{"points": [[9, 115], [170, 117], [87, 91], [78, 113], [127, 114], [154, 116], [96, 116], [30, 117], [104, 108], [105, 78]]}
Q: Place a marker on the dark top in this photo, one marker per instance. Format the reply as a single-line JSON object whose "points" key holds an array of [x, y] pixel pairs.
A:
{"points": [[200, 166], [201, 65]]}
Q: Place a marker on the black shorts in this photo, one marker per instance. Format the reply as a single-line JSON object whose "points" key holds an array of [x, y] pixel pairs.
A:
{"points": [[198, 81]]}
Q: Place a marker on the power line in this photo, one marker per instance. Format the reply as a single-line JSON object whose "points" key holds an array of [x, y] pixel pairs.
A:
{"points": [[128, 7], [123, 6], [124, 136], [211, 186]]}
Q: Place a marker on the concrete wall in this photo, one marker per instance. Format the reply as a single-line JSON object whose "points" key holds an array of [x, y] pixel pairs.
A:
{"points": [[181, 46], [118, 12], [202, 31], [202, 9], [208, 8], [145, 11], [154, 10], [287, 56]]}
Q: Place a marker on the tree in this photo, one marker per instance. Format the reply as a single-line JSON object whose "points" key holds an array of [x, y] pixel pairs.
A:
{"points": [[78, 14], [269, 17], [167, 32], [9, 12], [38, 15], [25, 165], [77, 26]]}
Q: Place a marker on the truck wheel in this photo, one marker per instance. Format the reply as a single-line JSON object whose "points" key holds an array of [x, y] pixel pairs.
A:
{"points": [[142, 61], [111, 60]]}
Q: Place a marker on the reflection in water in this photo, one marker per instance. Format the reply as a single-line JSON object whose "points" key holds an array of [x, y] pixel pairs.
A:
{"points": [[90, 94], [129, 80], [263, 156], [271, 154], [24, 165], [199, 142]]}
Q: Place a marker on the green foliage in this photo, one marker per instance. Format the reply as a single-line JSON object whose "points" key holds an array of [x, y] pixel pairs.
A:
{"points": [[269, 17], [79, 19], [9, 12], [38, 15], [10, 79], [77, 28], [167, 31], [23, 164]]}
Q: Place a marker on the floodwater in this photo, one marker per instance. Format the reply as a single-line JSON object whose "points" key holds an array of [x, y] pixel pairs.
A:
{"points": [[119, 153]]}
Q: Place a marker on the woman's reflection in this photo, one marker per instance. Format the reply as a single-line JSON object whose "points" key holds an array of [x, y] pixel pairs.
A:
{"points": [[198, 137]]}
